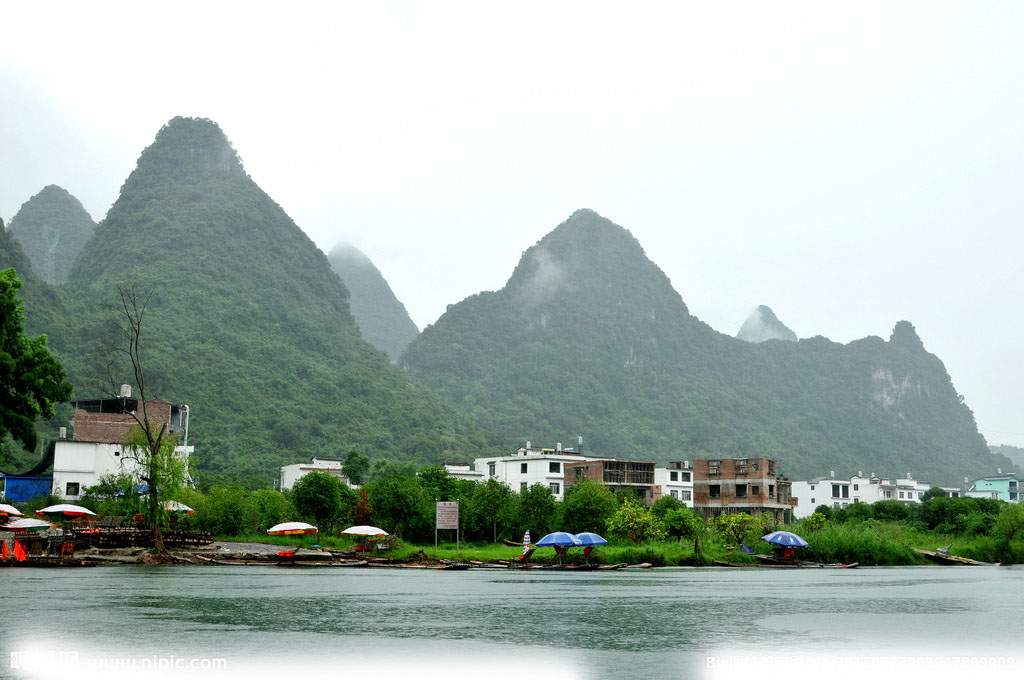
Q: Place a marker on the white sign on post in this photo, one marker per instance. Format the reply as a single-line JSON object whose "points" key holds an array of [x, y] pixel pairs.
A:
{"points": [[448, 515], [447, 518]]}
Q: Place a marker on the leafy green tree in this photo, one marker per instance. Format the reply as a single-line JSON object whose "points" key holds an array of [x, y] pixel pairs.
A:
{"points": [[933, 492], [491, 503], [356, 467], [735, 526], [31, 380], [816, 522], [587, 506], [661, 506], [400, 506], [317, 495], [637, 523], [271, 507], [534, 509], [681, 522], [361, 513]]}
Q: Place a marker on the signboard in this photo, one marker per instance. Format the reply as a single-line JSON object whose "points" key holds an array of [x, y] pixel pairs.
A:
{"points": [[448, 515]]}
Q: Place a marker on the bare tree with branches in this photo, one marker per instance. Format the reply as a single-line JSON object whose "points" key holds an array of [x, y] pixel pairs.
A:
{"points": [[148, 444]]}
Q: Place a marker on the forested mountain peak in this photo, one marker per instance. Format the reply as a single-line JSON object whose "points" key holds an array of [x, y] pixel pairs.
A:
{"points": [[382, 318], [762, 324], [52, 228], [191, 145], [905, 335]]}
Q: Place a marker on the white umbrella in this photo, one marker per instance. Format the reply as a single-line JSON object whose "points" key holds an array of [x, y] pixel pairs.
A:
{"points": [[27, 524], [363, 530], [175, 506], [286, 528], [65, 509], [6, 510]]}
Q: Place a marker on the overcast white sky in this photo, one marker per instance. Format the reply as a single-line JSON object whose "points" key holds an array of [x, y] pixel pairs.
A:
{"points": [[849, 165]]}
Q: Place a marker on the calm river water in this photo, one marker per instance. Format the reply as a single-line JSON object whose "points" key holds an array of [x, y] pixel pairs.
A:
{"points": [[261, 622]]}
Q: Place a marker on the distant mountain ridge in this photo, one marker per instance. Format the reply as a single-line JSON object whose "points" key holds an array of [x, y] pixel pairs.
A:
{"points": [[589, 338], [52, 228], [247, 322], [762, 324], [382, 319]]}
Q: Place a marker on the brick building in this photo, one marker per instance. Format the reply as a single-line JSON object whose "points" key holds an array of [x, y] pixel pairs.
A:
{"points": [[735, 485], [617, 475]]}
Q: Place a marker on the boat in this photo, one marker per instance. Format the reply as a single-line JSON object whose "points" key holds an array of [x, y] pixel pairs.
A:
{"points": [[943, 557], [786, 564]]}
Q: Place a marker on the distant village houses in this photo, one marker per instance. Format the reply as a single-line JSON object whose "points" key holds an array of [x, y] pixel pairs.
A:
{"points": [[735, 485], [290, 474]]}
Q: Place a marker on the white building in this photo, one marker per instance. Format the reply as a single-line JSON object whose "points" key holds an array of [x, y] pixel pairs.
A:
{"points": [[97, 448], [676, 481], [290, 474], [528, 466], [841, 493]]}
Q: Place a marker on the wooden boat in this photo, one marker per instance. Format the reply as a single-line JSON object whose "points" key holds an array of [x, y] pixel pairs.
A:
{"points": [[360, 563], [945, 558], [787, 564]]}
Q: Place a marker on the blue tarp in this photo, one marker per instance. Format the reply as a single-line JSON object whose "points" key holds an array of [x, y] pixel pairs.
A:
{"points": [[24, 489]]}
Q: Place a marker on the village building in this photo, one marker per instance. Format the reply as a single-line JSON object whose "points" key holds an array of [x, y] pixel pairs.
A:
{"points": [[841, 493], [526, 467], [1001, 487], [97, 447], [735, 485], [633, 476], [289, 474], [675, 481]]}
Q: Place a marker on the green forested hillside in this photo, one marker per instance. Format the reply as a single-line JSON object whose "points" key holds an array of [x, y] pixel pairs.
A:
{"points": [[589, 338], [247, 323], [1014, 453], [382, 318], [52, 228]]}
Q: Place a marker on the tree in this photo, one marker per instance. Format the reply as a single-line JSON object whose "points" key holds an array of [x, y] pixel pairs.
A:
{"points": [[356, 467], [735, 526], [636, 522], [491, 502], [148, 443], [587, 507], [534, 509], [933, 492], [31, 379], [317, 495]]}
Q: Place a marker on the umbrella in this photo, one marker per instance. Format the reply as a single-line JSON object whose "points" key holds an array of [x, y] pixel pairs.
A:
{"points": [[287, 528], [589, 539], [363, 530], [27, 524], [175, 506], [785, 539], [6, 510], [65, 509], [560, 541]]}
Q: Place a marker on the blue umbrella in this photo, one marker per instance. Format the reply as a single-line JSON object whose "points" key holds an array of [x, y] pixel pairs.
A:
{"points": [[785, 539], [559, 539], [589, 539]]}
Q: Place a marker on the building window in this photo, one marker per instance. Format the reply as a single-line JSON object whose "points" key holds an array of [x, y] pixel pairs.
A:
{"points": [[71, 489], [741, 491], [490, 469], [756, 466], [755, 490], [684, 495], [835, 491], [686, 476], [674, 493], [554, 487], [856, 487], [812, 501], [522, 467], [580, 474], [836, 504], [522, 487], [673, 476], [715, 490], [555, 467], [901, 494], [713, 466], [846, 491], [771, 490]]}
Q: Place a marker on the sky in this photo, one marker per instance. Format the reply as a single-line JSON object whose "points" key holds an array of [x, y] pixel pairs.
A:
{"points": [[847, 164]]}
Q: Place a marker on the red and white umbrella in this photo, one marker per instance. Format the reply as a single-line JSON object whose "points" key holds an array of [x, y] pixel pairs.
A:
{"points": [[363, 530], [65, 509], [27, 524], [10, 510], [288, 528], [175, 506]]}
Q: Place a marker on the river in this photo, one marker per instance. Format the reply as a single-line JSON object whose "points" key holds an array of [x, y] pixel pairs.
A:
{"points": [[262, 622]]}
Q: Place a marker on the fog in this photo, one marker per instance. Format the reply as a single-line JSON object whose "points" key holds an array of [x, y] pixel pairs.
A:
{"points": [[848, 166]]}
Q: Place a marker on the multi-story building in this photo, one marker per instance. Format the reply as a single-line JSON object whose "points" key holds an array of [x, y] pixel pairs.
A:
{"points": [[526, 467], [98, 448], [675, 481], [735, 485], [840, 493], [634, 476], [1002, 487], [290, 474]]}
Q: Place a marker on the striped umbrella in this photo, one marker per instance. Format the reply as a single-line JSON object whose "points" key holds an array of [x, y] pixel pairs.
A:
{"points": [[65, 509], [10, 510], [526, 542], [27, 524], [288, 528]]}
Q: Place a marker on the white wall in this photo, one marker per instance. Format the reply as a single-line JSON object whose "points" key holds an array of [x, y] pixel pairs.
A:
{"points": [[682, 486], [84, 463]]}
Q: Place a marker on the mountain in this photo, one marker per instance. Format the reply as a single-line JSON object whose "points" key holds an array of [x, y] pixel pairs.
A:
{"points": [[589, 338], [1014, 453], [762, 324], [381, 317], [245, 322], [52, 228]]}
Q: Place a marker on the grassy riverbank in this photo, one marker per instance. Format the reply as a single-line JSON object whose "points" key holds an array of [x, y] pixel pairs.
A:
{"points": [[868, 543]]}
